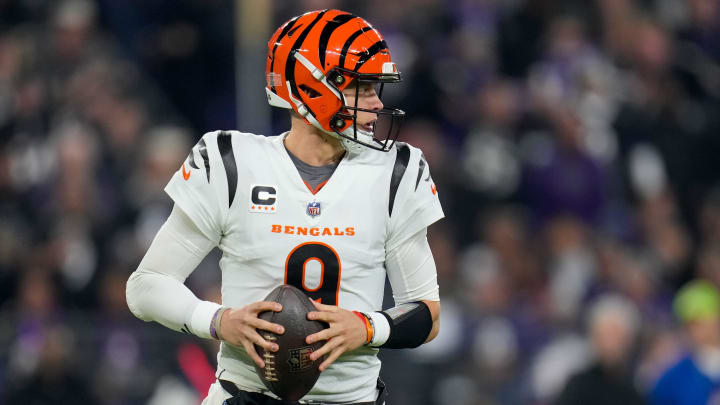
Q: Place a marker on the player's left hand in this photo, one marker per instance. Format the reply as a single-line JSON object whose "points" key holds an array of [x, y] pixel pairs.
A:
{"points": [[346, 332]]}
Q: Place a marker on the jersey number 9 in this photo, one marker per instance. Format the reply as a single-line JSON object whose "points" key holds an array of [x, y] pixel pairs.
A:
{"points": [[296, 263]]}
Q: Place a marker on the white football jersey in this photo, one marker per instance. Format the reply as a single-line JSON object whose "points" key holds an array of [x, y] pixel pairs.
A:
{"points": [[243, 191]]}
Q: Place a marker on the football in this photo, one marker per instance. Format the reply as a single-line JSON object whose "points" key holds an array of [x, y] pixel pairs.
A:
{"points": [[289, 373]]}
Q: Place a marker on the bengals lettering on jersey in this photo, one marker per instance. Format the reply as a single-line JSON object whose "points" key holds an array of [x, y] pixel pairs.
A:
{"points": [[313, 231]]}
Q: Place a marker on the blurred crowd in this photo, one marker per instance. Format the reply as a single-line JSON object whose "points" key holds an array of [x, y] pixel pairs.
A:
{"points": [[574, 145]]}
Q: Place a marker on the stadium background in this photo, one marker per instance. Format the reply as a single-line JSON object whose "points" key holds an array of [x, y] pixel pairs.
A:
{"points": [[574, 144]]}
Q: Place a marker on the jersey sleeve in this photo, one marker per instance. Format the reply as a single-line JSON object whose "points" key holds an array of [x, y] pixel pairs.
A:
{"points": [[414, 203], [204, 184]]}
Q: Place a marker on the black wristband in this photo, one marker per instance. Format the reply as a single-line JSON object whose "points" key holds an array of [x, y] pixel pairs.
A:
{"points": [[410, 325]]}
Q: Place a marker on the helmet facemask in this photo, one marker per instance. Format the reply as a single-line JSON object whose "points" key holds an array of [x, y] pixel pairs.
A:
{"points": [[385, 128]]}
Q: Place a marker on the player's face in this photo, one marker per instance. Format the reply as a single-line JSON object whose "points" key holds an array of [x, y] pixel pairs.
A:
{"points": [[367, 98]]}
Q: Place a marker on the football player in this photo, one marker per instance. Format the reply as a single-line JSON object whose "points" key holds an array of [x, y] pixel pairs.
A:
{"points": [[332, 207]]}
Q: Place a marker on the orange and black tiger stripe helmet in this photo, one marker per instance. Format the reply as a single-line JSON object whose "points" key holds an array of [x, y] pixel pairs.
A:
{"points": [[313, 57]]}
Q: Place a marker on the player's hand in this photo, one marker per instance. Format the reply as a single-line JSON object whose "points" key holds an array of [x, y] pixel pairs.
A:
{"points": [[239, 327], [346, 332]]}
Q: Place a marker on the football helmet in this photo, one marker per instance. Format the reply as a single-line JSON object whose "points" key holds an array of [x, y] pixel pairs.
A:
{"points": [[313, 57]]}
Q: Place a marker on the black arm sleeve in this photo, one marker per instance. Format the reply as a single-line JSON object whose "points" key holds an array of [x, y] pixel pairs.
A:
{"points": [[410, 325]]}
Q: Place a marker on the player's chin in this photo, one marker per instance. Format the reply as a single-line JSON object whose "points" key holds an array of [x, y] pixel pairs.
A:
{"points": [[367, 133], [366, 129]]}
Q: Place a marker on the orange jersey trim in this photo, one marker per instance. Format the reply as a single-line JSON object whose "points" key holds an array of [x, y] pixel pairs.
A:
{"points": [[317, 188]]}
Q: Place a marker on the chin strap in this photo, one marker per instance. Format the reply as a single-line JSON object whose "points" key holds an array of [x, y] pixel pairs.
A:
{"points": [[350, 146]]}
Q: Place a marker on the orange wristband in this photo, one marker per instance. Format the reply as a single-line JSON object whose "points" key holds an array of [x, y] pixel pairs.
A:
{"points": [[368, 327]]}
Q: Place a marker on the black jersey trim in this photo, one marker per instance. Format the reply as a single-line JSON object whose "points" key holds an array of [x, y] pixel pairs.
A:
{"points": [[191, 159], [202, 148], [401, 162], [224, 141], [420, 171]]}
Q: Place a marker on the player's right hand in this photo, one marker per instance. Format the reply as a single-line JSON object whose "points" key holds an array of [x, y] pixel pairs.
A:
{"points": [[239, 327]]}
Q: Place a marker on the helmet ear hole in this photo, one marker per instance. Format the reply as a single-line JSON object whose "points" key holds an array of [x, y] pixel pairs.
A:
{"points": [[309, 91]]}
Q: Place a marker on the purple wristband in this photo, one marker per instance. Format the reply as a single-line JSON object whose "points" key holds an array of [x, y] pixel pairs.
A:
{"points": [[215, 321]]}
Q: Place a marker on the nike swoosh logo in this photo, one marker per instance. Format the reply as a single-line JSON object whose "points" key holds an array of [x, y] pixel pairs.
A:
{"points": [[186, 174]]}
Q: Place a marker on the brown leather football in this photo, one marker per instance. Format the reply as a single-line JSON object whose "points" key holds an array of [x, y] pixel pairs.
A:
{"points": [[289, 373]]}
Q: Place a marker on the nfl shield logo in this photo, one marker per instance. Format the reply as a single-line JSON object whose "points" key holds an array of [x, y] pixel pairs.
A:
{"points": [[313, 208], [300, 359]]}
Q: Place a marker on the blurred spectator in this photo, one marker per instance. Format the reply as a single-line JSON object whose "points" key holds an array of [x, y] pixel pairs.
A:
{"points": [[43, 366], [703, 27], [613, 324], [667, 239], [709, 263], [695, 378], [572, 266], [56, 379], [561, 178], [490, 158], [121, 375], [555, 363], [709, 218], [37, 311]]}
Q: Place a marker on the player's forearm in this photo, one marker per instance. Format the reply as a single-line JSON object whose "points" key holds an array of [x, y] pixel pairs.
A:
{"points": [[158, 297]]}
